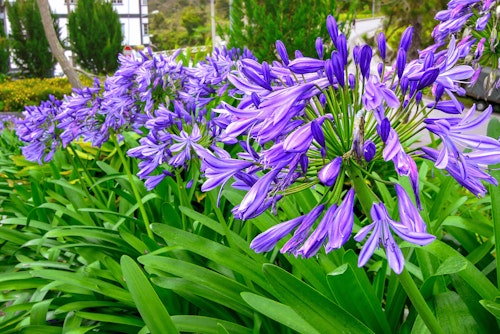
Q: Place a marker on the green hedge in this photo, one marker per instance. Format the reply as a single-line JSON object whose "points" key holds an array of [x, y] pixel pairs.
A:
{"points": [[16, 94]]}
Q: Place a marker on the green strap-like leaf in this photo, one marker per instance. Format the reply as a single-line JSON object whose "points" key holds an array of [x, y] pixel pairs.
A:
{"points": [[152, 310], [283, 314], [206, 325], [492, 306], [320, 312], [470, 273], [214, 251], [354, 292]]}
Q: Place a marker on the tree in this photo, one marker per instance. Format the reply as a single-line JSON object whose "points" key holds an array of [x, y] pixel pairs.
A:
{"points": [[193, 20], [4, 52], [30, 46], [55, 46], [95, 36], [257, 24]]}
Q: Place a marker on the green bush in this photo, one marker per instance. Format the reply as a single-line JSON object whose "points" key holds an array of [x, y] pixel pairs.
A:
{"points": [[96, 36], [16, 94]]}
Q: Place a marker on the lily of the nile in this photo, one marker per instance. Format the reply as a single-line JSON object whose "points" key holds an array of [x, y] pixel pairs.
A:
{"points": [[453, 133], [37, 128], [381, 235], [477, 20], [314, 125], [78, 117], [94, 114], [180, 127], [207, 80]]}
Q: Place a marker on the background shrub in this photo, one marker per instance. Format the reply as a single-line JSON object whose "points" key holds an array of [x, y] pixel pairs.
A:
{"points": [[96, 36], [31, 51], [16, 94]]}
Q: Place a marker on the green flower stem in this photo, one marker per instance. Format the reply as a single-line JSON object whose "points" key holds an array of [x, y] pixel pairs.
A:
{"points": [[366, 198], [419, 303], [495, 212], [86, 174], [75, 168], [183, 197], [133, 185], [363, 192]]}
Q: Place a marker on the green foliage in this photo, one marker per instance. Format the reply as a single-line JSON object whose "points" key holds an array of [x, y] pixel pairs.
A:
{"points": [[16, 94], [4, 52], [192, 18], [222, 9], [257, 25], [96, 36], [76, 258], [419, 14], [30, 47], [179, 23]]}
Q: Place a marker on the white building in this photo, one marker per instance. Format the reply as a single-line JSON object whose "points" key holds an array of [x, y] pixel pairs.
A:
{"points": [[133, 17]]}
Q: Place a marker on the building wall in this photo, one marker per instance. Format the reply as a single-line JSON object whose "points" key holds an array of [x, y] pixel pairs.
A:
{"points": [[134, 18]]}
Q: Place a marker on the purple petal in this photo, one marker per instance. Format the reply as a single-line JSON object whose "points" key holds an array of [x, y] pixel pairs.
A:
{"points": [[306, 65], [280, 47], [406, 39], [300, 140], [340, 228], [267, 240], [370, 245], [394, 255]]}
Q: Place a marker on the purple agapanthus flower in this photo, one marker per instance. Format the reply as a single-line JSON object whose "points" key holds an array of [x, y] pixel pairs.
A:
{"points": [[333, 230], [453, 132], [382, 227], [38, 129], [475, 165], [328, 174]]}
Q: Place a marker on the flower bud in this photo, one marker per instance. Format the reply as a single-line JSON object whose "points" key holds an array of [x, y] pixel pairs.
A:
{"points": [[328, 174], [280, 47], [331, 26], [365, 60], [406, 38], [381, 45], [369, 150], [319, 47]]}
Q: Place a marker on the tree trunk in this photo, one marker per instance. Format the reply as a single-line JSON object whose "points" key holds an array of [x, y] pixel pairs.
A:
{"points": [[416, 22], [55, 46]]}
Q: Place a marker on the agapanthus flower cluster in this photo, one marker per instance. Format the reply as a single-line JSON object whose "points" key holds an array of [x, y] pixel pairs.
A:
{"points": [[152, 93], [38, 128], [181, 125], [318, 123], [95, 113], [477, 22]]}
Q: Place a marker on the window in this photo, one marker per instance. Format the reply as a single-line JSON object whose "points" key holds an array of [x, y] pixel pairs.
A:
{"points": [[145, 29], [117, 2], [71, 2], [144, 2]]}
